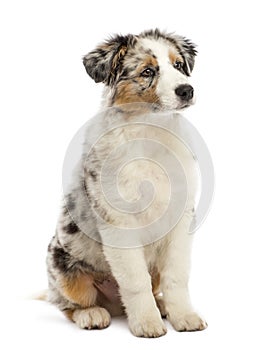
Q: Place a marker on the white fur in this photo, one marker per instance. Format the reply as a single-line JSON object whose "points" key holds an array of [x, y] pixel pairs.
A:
{"points": [[169, 77]]}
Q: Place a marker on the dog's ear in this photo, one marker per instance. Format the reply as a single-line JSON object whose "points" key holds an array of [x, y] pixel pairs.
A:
{"points": [[188, 51], [104, 63]]}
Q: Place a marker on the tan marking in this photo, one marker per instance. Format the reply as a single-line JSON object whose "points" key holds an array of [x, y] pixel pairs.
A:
{"points": [[122, 51], [174, 57], [149, 61], [69, 314], [42, 296], [110, 47], [116, 59], [79, 289], [129, 91]]}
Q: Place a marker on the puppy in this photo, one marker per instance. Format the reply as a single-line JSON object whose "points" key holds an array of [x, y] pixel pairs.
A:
{"points": [[91, 275]]}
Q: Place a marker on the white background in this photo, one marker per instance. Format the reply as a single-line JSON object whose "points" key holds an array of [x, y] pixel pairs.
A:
{"points": [[46, 96]]}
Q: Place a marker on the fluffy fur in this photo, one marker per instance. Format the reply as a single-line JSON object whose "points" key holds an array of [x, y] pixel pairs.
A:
{"points": [[90, 281]]}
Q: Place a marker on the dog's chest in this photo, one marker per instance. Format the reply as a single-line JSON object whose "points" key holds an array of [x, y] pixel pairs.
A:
{"points": [[143, 169], [157, 166]]}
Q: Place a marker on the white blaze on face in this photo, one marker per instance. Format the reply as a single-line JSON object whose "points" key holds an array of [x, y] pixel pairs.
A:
{"points": [[169, 77]]}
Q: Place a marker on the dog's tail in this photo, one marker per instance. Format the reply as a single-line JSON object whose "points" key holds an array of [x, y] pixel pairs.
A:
{"points": [[42, 295]]}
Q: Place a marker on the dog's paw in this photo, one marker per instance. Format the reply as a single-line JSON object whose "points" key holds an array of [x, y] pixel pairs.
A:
{"points": [[92, 318], [187, 322], [149, 327]]}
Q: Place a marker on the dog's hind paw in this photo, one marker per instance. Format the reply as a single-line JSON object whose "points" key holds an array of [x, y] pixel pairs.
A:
{"points": [[92, 318]]}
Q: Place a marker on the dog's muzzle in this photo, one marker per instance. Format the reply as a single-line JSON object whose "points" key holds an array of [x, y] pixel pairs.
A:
{"points": [[185, 92]]}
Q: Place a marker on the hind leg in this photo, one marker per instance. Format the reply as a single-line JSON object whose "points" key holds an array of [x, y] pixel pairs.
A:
{"points": [[80, 290], [72, 289]]}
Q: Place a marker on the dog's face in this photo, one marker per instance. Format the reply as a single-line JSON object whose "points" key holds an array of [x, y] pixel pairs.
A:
{"points": [[152, 67]]}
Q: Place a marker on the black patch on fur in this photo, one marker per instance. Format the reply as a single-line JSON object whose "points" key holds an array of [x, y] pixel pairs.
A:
{"points": [[85, 188], [65, 263], [93, 174], [105, 62], [61, 259], [125, 72], [71, 228]]}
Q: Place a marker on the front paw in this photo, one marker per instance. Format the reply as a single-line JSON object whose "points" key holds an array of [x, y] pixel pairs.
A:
{"points": [[187, 322], [150, 326]]}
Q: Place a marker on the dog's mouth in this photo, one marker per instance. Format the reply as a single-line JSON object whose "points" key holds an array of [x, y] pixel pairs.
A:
{"points": [[184, 105], [178, 107]]}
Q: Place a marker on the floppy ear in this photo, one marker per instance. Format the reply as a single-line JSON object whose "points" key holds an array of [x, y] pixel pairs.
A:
{"points": [[104, 63], [188, 51]]}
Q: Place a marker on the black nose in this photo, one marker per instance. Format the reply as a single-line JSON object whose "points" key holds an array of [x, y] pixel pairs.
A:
{"points": [[185, 92]]}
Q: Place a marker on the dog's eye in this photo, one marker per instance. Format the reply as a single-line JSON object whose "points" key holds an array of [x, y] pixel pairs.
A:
{"points": [[178, 65], [148, 72]]}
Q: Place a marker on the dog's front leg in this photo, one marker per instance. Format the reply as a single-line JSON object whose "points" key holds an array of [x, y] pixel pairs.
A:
{"points": [[129, 268], [174, 280]]}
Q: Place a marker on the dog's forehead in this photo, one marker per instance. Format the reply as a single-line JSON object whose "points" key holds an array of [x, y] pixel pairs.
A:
{"points": [[160, 48]]}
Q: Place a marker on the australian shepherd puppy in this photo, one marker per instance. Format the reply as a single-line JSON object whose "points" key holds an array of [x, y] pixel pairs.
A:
{"points": [[90, 279]]}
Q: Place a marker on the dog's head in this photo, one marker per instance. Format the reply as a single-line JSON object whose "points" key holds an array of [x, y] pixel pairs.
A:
{"points": [[152, 67]]}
